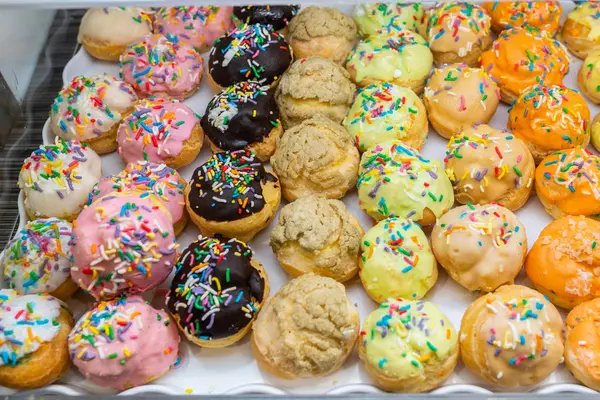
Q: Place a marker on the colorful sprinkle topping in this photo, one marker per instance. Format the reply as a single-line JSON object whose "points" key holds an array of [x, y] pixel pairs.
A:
{"points": [[462, 23]]}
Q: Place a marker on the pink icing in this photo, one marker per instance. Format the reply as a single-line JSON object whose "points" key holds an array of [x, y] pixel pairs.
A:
{"points": [[122, 244], [157, 65], [197, 26], [155, 130], [157, 179], [142, 343]]}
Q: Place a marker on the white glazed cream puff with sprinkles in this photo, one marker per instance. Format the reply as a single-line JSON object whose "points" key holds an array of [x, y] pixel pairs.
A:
{"points": [[56, 179], [38, 259], [123, 343], [34, 330]]}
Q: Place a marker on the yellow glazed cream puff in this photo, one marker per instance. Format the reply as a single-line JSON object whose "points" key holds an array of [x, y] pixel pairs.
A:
{"points": [[457, 97], [563, 263], [487, 165], [588, 77], [381, 18], [408, 346], [512, 337], [481, 247], [395, 179], [397, 261], [307, 329], [595, 132], [543, 15], [581, 31], [550, 118]]}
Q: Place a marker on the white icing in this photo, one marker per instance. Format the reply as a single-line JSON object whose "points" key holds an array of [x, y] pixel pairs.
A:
{"points": [[115, 25]]}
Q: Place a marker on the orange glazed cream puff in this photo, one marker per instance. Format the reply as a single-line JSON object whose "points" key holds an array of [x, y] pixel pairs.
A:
{"points": [[582, 343], [550, 118], [522, 57], [566, 183], [543, 15], [564, 263]]}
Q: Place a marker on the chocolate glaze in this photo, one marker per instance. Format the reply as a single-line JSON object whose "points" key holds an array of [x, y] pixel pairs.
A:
{"points": [[243, 171], [257, 114], [228, 260], [267, 51], [276, 16]]}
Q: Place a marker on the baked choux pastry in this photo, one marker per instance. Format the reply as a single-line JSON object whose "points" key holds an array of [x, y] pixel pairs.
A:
{"points": [[38, 259], [588, 77], [511, 337], [397, 261], [581, 343], [563, 262], [458, 33], [383, 18], [523, 57], [317, 156], [408, 346], [384, 111], [481, 247], [314, 86], [401, 57], [276, 16], [566, 182], [395, 179], [217, 291], [243, 116], [595, 132], [580, 31], [487, 165], [457, 97], [542, 15], [318, 235], [307, 329], [549, 119], [232, 194], [322, 31], [106, 32], [34, 332]]}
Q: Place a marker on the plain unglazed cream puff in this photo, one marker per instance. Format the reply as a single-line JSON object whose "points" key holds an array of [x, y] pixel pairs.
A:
{"points": [[314, 85], [487, 165], [563, 263], [458, 33], [397, 261], [307, 329], [401, 356], [542, 15], [581, 28], [319, 235], [481, 247], [588, 77], [232, 194], [550, 118], [34, 354], [457, 97], [582, 343], [512, 337], [522, 57], [384, 111], [567, 183], [322, 31], [317, 156]]}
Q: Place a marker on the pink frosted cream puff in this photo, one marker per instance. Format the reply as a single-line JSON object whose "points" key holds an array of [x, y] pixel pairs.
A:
{"points": [[150, 178], [160, 131], [124, 343], [196, 26], [123, 243], [158, 66]]}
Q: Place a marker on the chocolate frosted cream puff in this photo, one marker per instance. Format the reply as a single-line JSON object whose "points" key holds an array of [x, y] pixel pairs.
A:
{"points": [[217, 291], [243, 116], [233, 195], [276, 16]]}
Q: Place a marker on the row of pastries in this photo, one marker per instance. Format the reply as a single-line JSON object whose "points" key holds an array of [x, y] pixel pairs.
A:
{"points": [[307, 106]]}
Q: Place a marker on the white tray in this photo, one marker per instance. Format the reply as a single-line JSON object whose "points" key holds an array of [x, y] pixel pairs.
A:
{"points": [[233, 370]]}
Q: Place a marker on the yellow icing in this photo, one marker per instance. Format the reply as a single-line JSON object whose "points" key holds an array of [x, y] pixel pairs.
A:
{"points": [[588, 14], [374, 18], [406, 349], [397, 260], [381, 112], [590, 75], [596, 134], [403, 56]]}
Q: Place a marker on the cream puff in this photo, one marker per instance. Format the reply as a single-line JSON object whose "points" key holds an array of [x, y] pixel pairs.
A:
{"points": [[580, 31], [588, 77], [595, 132], [542, 15], [276, 16], [316, 157], [381, 18]]}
